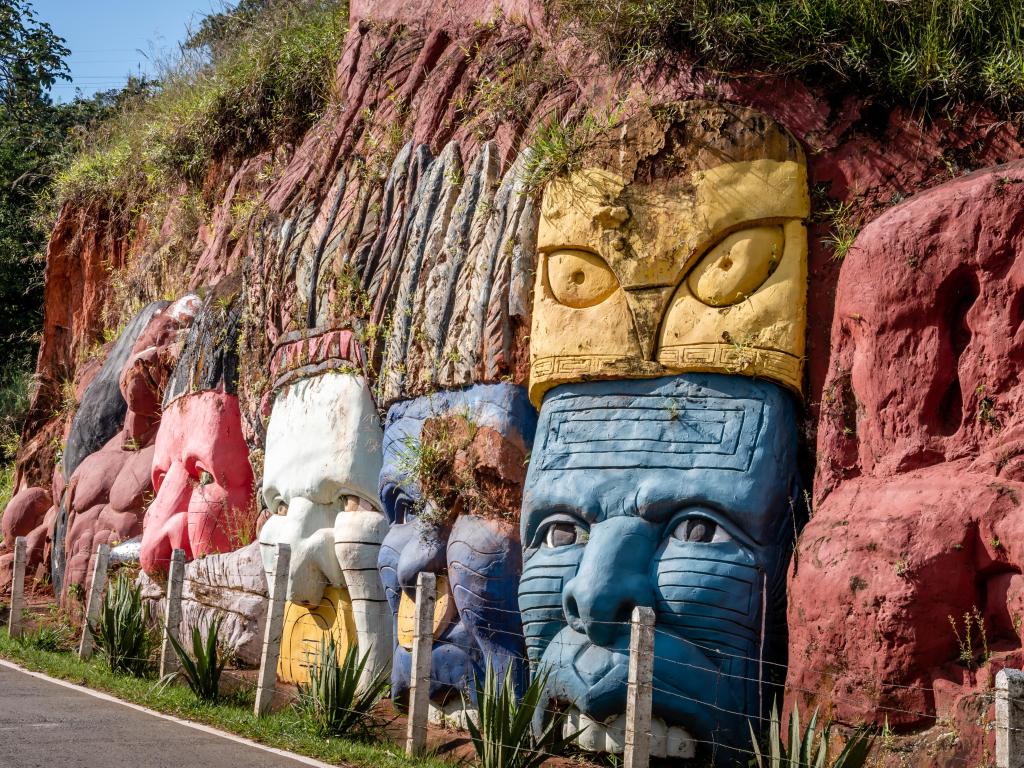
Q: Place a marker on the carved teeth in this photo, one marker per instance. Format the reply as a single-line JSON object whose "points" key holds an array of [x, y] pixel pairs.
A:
{"points": [[611, 736]]}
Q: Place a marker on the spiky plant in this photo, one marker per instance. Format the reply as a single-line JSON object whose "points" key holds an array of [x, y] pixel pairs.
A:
{"points": [[334, 702], [503, 734], [48, 637], [122, 633], [809, 749], [201, 669]]}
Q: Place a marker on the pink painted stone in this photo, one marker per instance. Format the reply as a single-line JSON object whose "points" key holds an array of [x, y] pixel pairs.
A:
{"points": [[203, 481]]}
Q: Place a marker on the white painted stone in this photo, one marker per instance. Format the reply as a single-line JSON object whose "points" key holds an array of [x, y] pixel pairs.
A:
{"points": [[609, 737], [321, 468]]}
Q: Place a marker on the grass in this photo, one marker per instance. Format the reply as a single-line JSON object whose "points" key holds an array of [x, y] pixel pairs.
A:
{"points": [[908, 49], [284, 730], [264, 88], [557, 149]]}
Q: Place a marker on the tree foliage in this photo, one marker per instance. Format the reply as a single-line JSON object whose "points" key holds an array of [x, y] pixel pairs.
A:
{"points": [[34, 134]]}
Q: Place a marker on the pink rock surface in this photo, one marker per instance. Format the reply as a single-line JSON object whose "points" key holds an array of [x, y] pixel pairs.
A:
{"points": [[917, 515], [202, 478]]}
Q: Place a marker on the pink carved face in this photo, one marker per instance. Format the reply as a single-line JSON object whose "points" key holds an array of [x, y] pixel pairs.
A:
{"points": [[202, 479]]}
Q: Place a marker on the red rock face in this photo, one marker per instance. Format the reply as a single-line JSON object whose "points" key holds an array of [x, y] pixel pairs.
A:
{"points": [[24, 516], [920, 469], [203, 481]]}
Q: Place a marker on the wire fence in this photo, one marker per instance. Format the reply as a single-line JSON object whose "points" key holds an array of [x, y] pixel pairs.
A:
{"points": [[707, 697]]}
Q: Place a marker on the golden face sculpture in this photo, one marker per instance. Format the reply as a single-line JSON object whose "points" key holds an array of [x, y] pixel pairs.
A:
{"points": [[679, 246]]}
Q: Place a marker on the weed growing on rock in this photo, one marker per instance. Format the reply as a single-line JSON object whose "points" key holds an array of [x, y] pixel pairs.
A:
{"points": [[970, 656], [262, 85]]}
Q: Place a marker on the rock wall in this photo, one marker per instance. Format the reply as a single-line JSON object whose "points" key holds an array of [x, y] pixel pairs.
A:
{"points": [[408, 220]]}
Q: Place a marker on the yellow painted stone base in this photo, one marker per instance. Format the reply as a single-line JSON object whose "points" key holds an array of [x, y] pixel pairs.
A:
{"points": [[306, 628]]}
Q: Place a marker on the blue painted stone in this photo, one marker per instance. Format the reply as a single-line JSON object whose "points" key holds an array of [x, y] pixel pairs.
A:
{"points": [[482, 561], [675, 493]]}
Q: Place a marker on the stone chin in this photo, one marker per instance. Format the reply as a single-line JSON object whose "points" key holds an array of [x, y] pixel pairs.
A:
{"points": [[323, 457]]}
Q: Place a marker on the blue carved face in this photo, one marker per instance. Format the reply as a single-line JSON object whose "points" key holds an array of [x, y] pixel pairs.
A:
{"points": [[675, 493], [479, 555]]}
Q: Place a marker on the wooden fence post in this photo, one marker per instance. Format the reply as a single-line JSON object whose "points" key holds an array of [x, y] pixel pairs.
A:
{"points": [[1010, 719], [14, 625], [422, 646], [273, 631], [639, 693], [92, 605], [172, 614]]}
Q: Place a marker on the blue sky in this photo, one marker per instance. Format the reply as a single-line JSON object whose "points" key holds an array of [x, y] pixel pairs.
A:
{"points": [[111, 38]]}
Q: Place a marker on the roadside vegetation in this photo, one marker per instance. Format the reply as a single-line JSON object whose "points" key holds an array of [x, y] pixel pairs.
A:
{"points": [[233, 712], [913, 50]]}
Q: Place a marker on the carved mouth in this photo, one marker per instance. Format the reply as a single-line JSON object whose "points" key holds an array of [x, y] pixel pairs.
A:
{"points": [[610, 736]]}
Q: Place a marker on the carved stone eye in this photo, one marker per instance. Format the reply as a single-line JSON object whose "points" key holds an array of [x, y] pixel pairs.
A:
{"points": [[561, 535], [282, 509], [700, 530], [205, 478], [578, 278], [737, 266]]}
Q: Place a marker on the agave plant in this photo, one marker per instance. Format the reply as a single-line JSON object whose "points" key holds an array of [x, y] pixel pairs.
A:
{"points": [[201, 669], [809, 749], [503, 735], [121, 632], [333, 701]]}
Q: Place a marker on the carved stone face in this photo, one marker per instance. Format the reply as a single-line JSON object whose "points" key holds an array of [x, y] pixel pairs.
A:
{"points": [[202, 479], [108, 491], [681, 249], [323, 458], [469, 540], [678, 497]]}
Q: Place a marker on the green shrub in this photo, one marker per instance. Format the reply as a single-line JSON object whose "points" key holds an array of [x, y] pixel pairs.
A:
{"points": [[503, 734], [121, 633], [203, 668], [809, 749], [48, 637], [911, 49], [333, 702], [263, 86]]}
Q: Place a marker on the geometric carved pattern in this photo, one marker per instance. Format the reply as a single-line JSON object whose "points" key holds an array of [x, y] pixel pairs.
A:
{"points": [[689, 358]]}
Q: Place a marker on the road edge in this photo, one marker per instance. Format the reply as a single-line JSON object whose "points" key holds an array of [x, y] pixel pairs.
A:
{"points": [[163, 716]]}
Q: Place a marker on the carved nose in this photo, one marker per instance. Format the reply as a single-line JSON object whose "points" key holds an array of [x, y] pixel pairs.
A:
{"points": [[426, 550], [614, 577]]}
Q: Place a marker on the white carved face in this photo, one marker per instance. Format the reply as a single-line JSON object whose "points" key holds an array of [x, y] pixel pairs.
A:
{"points": [[323, 458]]}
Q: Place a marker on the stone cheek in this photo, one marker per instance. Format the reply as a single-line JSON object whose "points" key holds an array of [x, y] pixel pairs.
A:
{"points": [[475, 553], [202, 478], [674, 493], [323, 456]]}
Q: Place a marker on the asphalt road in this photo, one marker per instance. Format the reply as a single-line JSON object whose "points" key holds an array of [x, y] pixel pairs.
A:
{"points": [[46, 725]]}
